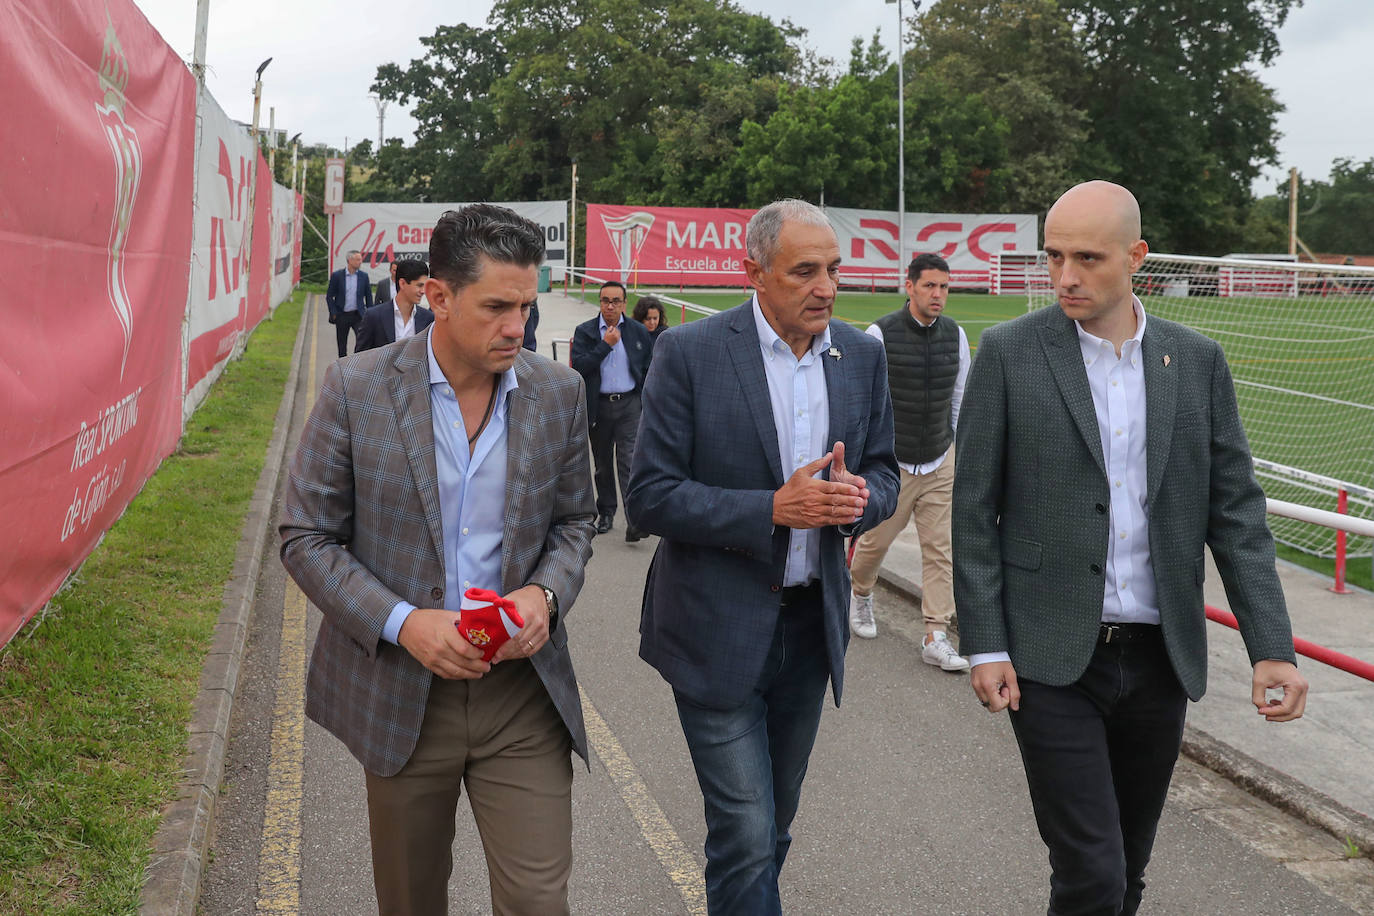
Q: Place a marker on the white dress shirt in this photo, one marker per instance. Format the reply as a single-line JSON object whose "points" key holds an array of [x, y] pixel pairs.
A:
{"points": [[965, 360], [801, 416], [404, 327], [1118, 389]]}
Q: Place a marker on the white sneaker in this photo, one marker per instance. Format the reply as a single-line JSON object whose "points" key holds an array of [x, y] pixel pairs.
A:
{"points": [[940, 652], [861, 616]]}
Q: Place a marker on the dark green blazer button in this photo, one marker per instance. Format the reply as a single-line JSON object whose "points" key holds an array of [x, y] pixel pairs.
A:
{"points": [[1097, 570], [1100, 508]]}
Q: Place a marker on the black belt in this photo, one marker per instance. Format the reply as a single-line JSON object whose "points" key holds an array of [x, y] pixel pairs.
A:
{"points": [[618, 396], [1125, 632], [797, 594]]}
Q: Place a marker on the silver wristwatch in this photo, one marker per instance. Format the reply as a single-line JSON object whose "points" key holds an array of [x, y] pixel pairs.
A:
{"points": [[551, 601]]}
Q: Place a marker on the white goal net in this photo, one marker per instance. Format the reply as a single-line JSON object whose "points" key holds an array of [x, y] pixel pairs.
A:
{"points": [[1300, 342]]}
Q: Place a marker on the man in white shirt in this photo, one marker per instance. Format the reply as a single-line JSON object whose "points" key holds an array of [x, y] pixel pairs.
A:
{"points": [[927, 365], [403, 316], [1100, 451]]}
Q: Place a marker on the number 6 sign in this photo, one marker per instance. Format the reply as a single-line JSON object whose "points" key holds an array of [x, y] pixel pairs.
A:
{"points": [[333, 186]]}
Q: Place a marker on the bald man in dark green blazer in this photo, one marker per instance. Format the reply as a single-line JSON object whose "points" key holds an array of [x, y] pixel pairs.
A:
{"points": [[1099, 450]]}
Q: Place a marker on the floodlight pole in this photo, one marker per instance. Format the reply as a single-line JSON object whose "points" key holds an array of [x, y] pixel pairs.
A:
{"points": [[1293, 213], [381, 104], [572, 232], [253, 172], [901, 152], [202, 27]]}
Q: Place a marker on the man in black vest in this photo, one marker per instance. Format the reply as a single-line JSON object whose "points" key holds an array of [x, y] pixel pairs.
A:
{"points": [[927, 363]]}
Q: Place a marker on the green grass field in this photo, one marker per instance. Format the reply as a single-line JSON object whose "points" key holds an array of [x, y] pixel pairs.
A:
{"points": [[1303, 370]]}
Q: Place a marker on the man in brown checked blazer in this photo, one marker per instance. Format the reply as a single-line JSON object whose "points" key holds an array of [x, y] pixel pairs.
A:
{"points": [[446, 461], [1099, 449]]}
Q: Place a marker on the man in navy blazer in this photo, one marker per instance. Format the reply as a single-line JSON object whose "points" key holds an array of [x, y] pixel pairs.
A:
{"points": [[401, 316], [766, 439], [348, 296], [612, 354]]}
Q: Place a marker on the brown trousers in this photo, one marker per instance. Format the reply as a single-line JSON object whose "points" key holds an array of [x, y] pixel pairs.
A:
{"points": [[502, 738], [924, 499]]}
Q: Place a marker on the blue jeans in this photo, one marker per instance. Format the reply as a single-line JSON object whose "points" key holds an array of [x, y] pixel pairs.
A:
{"points": [[750, 761]]}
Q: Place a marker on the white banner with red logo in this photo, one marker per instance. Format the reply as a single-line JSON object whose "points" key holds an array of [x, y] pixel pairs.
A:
{"points": [[701, 246], [95, 203], [298, 206], [385, 232], [219, 256], [284, 243], [868, 241]]}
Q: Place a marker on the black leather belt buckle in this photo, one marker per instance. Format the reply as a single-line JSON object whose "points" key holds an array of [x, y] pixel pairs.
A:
{"points": [[614, 397], [1109, 633]]}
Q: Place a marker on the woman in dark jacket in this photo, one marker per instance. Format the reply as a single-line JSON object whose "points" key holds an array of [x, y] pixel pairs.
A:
{"points": [[649, 312]]}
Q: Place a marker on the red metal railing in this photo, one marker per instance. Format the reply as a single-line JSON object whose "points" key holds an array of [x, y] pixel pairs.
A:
{"points": [[1348, 663]]}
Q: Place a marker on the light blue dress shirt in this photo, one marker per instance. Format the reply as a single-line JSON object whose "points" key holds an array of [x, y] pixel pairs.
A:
{"points": [[615, 368], [801, 415], [472, 493], [350, 291]]}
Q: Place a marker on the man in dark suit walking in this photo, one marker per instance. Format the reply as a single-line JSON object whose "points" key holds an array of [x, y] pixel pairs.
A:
{"points": [[1099, 450], [451, 461], [753, 419], [349, 294], [401, 316], [386, 287], [612, 354]]}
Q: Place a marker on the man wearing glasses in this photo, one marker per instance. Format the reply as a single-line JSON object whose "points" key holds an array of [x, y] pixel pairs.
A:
{"points": [[612, 355]]}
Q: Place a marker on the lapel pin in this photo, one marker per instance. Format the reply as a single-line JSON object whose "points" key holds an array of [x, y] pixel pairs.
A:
{"points": [[834, 353], [1166, 359]]}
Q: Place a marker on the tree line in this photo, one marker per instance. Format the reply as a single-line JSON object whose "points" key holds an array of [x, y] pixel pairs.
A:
{"points": [[701, 103]]}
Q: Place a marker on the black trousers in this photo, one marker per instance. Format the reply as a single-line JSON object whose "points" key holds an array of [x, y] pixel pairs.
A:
{"points": [[343, 323], [1099, 754], [613, 446]]}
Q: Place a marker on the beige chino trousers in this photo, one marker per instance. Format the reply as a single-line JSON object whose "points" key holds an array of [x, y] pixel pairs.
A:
{"points": [[501, 738], [924, 499]]}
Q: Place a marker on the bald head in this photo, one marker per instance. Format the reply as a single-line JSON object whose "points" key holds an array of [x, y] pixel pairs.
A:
{"points": [[1107, 210], [1092, 247]]}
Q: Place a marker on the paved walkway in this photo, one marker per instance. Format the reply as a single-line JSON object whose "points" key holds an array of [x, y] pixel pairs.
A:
{"points": [[915, 802]]}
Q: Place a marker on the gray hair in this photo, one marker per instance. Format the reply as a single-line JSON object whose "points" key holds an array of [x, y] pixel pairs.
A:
{"points": [[463, 237], [761, 238], [352, 252]]}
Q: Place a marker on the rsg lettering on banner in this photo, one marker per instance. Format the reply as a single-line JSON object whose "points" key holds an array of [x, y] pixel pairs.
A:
{"points": [[966, 240]]}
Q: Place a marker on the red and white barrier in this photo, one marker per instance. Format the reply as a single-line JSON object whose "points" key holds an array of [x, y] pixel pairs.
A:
{"points": [[96, 209]]}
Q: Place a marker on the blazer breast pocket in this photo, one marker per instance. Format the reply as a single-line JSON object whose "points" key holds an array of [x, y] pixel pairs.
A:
{"points": [[1192, 418]]}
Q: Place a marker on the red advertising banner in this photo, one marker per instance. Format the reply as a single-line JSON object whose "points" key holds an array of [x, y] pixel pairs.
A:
{"points": [[653, 246], [97, 197], [259, 300]]}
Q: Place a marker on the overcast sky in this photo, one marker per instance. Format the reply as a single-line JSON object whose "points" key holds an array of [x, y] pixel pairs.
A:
{"points": [[326, 53]]}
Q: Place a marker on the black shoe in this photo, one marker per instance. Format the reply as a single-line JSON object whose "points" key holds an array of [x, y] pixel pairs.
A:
{"points": [[633, 534], [604, 523]]}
